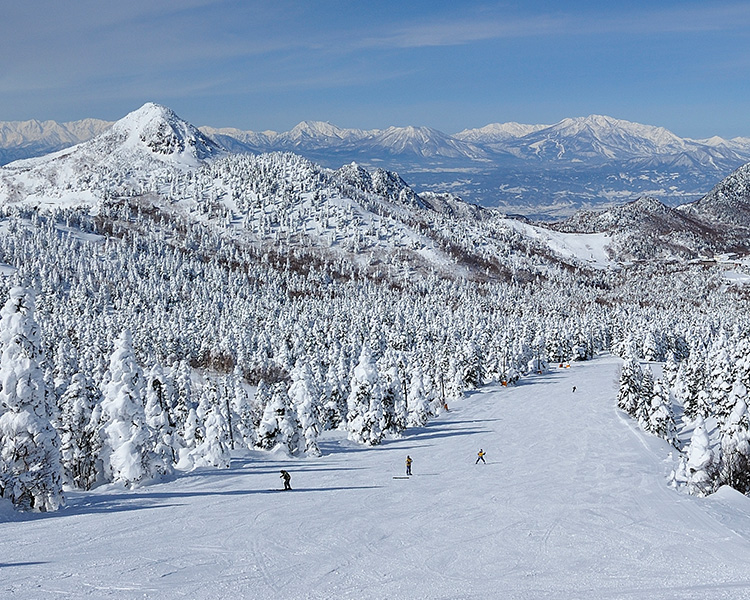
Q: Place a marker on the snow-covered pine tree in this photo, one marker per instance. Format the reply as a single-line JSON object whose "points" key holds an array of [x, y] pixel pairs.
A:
{"points": [[279, 425], [453, 381], [741, 359], [645, 397], [394, 403], [660, 416], [653, 348], [418, 402], [629, 392], [30, 462], [126, 439], [692, 388], [735, 442], [365, 402], [244, 425], [193, 431], [165, 441], [214, 448], [470, 366], [670, 370], [78, 449], [702, 463], [183, 398], [333, 403], [720, 381], [65, 365], [259, 401], [304, 395], [291, 431]]}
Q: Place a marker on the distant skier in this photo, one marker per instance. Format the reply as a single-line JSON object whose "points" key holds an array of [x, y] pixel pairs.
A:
{"points": [[408, 464], [574, 389], [480, 456], [287, 478]]}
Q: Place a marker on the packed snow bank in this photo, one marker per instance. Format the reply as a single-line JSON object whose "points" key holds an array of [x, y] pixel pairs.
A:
{"points": [[572, 503], [590, 248], [737, 277]]}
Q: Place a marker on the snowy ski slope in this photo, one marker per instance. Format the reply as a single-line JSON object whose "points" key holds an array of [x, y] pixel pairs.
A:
{"points": [[572, 503]]}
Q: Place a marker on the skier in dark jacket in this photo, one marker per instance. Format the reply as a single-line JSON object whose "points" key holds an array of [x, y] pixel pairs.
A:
{"points": [[287, 478]]}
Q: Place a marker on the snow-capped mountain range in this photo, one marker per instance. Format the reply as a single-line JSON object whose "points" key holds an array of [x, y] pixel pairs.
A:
{"points": [[24, 139], [322, 137], [369, 216], [585, 139], [537, 170]]}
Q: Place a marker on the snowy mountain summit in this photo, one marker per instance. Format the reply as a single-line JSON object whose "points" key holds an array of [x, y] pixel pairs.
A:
{"points": [[599, 137], [160, 130], [144, 142]]}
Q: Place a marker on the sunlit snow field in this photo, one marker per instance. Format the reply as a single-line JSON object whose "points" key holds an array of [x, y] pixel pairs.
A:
{"points": [[572, 503]]}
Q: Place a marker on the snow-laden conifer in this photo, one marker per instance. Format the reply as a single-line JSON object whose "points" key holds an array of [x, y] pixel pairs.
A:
{"points": [[184, 401], [304, 395], [645, 397], [671, 369], [193, 431], [659, 418], [126, 439], [30, 463], [702, 463], [333, 400], [692, 389], [214, 448], [735, 442], [394, 403], [365, 402], [629, 392], [65, 366], [418, 402], [279, 424], [164, 439], [242, 407], [78, 446], [653, 348], [720, 380], [470, 366]]}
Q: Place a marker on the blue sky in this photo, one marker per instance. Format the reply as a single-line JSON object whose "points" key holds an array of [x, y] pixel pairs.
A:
{"points": [[684, 65]]}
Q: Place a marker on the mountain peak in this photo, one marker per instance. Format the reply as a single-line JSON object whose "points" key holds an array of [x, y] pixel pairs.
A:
{"points": [[165, 134], [423, 141], [497, 132]]}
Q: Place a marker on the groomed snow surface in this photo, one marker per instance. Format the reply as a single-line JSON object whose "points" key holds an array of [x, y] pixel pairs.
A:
{"points": [[572, 503]]}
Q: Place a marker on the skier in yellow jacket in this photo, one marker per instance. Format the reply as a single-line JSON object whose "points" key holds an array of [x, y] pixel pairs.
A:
{"points": [[408, 464], [480, 456]]}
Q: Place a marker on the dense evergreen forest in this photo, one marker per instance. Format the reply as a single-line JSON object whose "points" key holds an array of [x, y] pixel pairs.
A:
{"points": [[142, 350], [166, 303]]}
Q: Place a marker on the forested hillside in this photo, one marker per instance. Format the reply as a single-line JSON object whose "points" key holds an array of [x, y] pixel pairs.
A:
{"points": [[166, 302]]}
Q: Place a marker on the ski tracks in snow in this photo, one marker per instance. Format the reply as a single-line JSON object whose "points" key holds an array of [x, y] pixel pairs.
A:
{"points": [[573, 503]]}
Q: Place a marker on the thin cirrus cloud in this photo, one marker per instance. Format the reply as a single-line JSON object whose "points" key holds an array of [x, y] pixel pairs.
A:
{"points": [[290, 59], [452, 32]]}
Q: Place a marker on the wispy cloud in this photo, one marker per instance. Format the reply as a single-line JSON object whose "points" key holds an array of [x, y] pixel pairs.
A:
{"points": [[453, 32]]}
